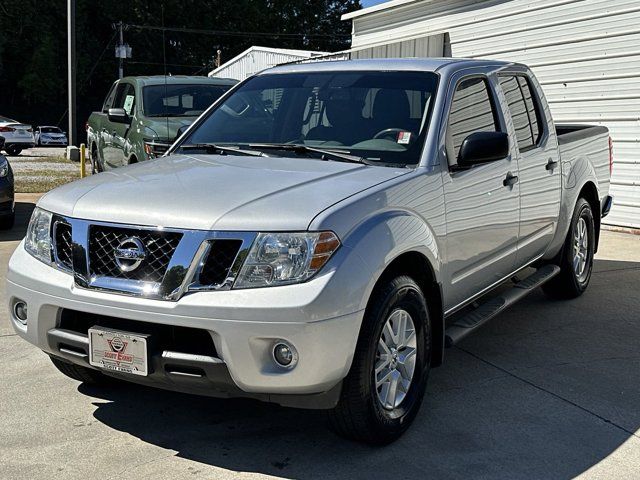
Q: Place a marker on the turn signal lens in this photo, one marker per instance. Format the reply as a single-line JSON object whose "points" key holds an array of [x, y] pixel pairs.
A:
{"points": [[285, 258]]}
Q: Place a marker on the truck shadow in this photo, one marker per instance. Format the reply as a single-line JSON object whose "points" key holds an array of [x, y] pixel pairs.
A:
{"points": [[547, 390], [23, 214]]}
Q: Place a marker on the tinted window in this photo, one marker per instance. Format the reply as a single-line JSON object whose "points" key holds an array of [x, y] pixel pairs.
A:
{"points": [[518, 109], [180, 100], [533, 108], [471, 111], [523, 109], [382, 116], [125, 97], [108, 103]]}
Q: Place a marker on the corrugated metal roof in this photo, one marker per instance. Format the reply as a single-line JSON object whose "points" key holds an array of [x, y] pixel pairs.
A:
{"points": [[256, 59]]}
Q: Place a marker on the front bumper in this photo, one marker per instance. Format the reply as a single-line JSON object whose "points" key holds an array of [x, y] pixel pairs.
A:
{"points": [[48, 141], [243, 324]]}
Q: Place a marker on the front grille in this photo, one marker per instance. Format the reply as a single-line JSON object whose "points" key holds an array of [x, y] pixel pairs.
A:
{"points": [[163, 337], [160, 247], [219, 261], [62, 240]]}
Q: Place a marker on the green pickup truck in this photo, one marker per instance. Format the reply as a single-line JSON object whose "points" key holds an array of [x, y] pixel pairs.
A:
{"points": [[141, 116]]}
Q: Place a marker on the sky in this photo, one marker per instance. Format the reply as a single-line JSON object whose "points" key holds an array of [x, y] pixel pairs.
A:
{"points": [[368, 3]]}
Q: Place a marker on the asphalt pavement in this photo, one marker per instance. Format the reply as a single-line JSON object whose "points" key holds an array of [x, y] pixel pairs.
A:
{"points": [[547, 390]]}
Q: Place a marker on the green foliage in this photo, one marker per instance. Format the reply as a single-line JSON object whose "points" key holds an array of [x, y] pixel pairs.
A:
{"points": [[33, 44]]}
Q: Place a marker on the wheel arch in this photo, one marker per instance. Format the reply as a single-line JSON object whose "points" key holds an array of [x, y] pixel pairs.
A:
{"points": [[589, 192], [417, 266]]}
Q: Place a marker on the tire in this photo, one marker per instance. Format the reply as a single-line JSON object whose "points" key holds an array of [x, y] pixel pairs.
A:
{"points": [[96, 166], [572, 281], [82, 374], [133, 160], [7, 221], [13, 151], [360, 414]]}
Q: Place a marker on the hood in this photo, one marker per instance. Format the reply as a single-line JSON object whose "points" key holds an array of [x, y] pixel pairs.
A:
{"points": [[213, 192], [166, 128]]}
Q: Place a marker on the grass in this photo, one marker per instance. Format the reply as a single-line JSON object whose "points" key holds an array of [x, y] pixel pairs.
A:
{"points": [[43, 179]]}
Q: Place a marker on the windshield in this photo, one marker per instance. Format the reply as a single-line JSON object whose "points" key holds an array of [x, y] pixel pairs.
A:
{"points": [[379, 116], [50, 130], [180, 100]]}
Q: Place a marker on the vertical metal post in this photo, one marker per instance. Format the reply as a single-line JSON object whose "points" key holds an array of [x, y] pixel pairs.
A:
{"points": [[71, 69], [83, 153], [121, 60]]}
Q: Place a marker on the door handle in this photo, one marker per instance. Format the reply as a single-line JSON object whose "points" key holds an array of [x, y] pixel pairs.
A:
{"points": [[551, 164], [510, 180]]}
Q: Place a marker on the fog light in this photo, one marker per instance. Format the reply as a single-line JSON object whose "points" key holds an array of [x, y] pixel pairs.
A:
{"points": [[285, 354], [20, 311]]}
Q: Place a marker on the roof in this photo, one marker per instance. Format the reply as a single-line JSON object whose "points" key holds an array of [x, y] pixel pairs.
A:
{"points": [[406, 64], [377, 8], [180, 80], [282, 51]]}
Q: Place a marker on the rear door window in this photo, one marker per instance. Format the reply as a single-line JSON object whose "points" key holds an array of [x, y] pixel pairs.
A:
{"points": [[523, 109], [472, 110]]}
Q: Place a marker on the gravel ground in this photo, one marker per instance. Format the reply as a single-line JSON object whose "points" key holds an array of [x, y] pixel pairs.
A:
{"points": [[38, 170]]}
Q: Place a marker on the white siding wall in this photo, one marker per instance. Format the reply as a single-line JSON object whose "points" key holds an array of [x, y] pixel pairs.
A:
{"points": [[586, 54], [257, 59]]}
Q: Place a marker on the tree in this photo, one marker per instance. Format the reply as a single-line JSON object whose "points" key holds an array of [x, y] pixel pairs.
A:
{"points": [[33, 80]]}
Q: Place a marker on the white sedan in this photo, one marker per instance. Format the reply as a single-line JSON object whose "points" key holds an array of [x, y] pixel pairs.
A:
{"points": [[50, 136], [17, 136]]}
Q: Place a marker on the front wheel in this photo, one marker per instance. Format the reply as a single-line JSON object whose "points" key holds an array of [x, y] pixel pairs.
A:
{"points": [[576, 260], [385, 387], [13, 151]]}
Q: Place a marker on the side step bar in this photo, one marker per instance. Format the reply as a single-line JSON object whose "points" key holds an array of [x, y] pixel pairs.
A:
{"points": [[466, 324]]}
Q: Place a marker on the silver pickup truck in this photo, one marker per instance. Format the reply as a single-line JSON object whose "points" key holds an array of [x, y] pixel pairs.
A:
{"points": [[318, 237]]}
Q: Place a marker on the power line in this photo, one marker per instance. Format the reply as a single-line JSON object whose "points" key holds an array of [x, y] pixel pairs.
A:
{"points": [[231, 33], [87, 77]]}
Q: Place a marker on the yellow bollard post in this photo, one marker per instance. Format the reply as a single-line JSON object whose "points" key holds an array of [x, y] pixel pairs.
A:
{"points": [[82, 159]]}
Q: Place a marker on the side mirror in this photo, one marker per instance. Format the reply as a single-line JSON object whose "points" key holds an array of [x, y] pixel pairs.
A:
{"points": [[483, 147], [180, 131], [118, 115]]}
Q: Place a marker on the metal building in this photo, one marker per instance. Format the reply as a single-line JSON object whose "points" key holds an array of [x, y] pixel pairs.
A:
{"points": [[256, 59], [586, 54]]}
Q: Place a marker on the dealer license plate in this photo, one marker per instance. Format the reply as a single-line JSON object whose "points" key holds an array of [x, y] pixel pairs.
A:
{"points": [[119, 351]]}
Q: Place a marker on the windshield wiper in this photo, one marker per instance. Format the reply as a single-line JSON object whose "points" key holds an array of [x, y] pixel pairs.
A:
{"points": [[212, 148], [301, 149]]}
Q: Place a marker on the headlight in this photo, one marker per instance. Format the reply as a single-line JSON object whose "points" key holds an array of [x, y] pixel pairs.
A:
{"points": [[4, 167], [38, 239], [285, 258]]}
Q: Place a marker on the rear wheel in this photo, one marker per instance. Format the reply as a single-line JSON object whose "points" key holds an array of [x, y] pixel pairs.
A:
{"points": [[576, 259], [82, 374], [96, 166], [385, 387]]}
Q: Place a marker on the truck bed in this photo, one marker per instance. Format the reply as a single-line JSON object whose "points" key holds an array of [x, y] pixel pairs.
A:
{"points": [[588, 143]]}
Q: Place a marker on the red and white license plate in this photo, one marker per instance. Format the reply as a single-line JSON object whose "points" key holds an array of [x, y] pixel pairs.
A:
{"points": [[118, 351]]}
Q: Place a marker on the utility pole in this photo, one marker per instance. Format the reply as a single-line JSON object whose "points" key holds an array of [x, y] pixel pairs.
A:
{"points": [[121, 44], [71, 69], [122, 50]]}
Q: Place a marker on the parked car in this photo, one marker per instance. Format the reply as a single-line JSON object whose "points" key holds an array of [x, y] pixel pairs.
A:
{"points": [[7, 203], [17, 136], [141, 116], [47, 136], [318, 237]]}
